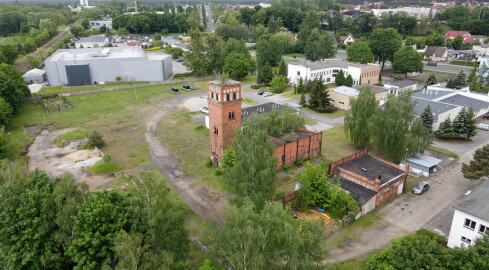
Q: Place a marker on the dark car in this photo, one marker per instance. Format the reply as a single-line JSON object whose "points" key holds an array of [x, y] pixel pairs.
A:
{"points": [[421, 188], [174, 90], [260, 92], [432, 63], [486, 117], [179, 60], [186, 87]]}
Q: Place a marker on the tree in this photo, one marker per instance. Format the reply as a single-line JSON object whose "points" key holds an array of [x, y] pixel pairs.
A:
{"points": [[349, 80], [48, 25], [478, 167], [359, 52], [450, 83], [431, 80], [85, 23], [357, 119], [445, 131], [193, 20], [97, 223], [340, 78], [103, 30], [9, 52], [265, 74], [319, 45], [303, 102], [282, 69], [237, 65], [6, 112], [461, 124], [391, 128], [460, 81], [95, 139], [278, 84], [122, 32], [428, 118], [471, 123], [253, 174], [37, 219], [301, 88], [268, 51], [262, 240], [384, 43], [204, 15], [319, 98], [457, 43], [407, 60], [12, 86]]}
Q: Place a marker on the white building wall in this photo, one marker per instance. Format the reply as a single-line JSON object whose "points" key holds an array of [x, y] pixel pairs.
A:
{"points": [[459, 230], [295, 72], [443, 116]]}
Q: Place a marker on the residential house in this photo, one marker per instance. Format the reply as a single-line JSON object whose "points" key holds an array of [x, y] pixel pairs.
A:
{"points": [[329, 68], [418, 12], [92, 42], [340, 96], [482, 49], [479, 38], [471, 217], [381, 93], [436, 53], [370, 180], [397, 87], [348, 39], [453, 34]]}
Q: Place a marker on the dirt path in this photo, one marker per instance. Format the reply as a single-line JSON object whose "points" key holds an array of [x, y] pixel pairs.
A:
{"points": [[196, 197]]}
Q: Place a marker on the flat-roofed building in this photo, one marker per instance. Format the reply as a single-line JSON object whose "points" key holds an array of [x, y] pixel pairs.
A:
{"points": [[76, 67], [329, 68], [340, 96], [92, 42]]}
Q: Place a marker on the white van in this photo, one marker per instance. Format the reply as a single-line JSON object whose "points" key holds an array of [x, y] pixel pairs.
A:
{"points": [[482, 126]]}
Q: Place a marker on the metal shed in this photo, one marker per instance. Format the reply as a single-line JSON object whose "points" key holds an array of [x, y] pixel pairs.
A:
{"points": [[427, 164]]}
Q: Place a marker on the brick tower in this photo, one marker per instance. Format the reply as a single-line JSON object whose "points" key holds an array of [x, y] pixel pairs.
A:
{"points": [[224, 99]]}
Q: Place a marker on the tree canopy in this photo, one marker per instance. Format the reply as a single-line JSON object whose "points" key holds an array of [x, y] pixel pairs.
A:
{"points": [[478, 167], [358, 118], [359, 52]]}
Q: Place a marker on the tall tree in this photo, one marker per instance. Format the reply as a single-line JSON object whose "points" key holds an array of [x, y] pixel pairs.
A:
{"points": [[340, 78], [431, 79], [265, 74], [428, 118], [384, 43], [407, 60], [268, 50], [357, 119], [359, 52], [457, 43], [319, 45], [478, 167], [319, 98], [204, 16], [460, 80], [461, 124], [9, 52], [445, 130], [271, 238], [253, 174], [237, 65], [301, 88], [349, 80], [282, 69]]}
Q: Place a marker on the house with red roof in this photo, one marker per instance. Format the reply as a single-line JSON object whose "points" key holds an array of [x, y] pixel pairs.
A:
{"points": [[465, 34], [348, 39]]}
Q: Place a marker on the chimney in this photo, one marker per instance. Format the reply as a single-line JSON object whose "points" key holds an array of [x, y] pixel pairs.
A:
{"points": [[380, 177]]}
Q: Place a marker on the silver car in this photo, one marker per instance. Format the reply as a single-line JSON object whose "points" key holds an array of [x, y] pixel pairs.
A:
{"points": [[482, 126], [267, 94], [421, 188]]}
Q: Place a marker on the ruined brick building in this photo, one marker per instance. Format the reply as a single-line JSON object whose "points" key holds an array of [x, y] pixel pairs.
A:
{"points": [[225, 113]]}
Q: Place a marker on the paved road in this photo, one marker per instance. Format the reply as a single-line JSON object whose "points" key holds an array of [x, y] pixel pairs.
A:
{"points": [[448, 68]]}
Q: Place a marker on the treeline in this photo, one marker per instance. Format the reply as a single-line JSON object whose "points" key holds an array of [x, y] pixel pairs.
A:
{"points": [[13, 91], [475, 21], [150, 22]]}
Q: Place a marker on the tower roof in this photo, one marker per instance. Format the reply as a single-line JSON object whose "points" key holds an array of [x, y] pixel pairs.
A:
{"points": [[226, 83]]}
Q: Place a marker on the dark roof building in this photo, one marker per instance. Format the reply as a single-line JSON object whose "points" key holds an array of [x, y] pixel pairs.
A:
{"points": [[477, 202], [467, 102], [359, 193], [436, 52], [262, 108]]}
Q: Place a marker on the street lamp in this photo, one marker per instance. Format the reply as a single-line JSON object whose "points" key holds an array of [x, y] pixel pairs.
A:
{"points": [[405, 157]]}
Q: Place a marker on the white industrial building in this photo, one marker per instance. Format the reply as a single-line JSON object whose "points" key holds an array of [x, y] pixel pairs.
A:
{"points": [[471, 217], [98, 24], [418, 12], [329, 68], [85, 66], [92, 42]]}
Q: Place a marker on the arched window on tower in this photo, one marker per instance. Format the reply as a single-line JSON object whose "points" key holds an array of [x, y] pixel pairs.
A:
{"points": [[216, 131], [234, 96], [231, 115]]}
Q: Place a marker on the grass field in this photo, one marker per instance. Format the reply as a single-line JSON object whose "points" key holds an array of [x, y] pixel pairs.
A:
{"points": [[249, 79], [249, 101], [289, 60], [291, 95], [335, 144], [338, 113], [351, 232], [443, 151], [61, 89]]}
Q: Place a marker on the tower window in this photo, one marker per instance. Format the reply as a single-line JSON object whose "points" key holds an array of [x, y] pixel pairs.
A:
{"points": [[227, 97], [234, 96], [216, 131], [212, 95], [231, 115]]}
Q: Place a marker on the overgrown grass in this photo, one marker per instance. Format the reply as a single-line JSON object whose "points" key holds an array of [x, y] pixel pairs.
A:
{"points": [[189, 142], [249, 79], [291, 95], [249, 101], [106, 165], [289, 60], [61, 89], [336, 114], [72, 135], [358, 263], [309, 121], [351, 232], [335, 144], [443, 151]]}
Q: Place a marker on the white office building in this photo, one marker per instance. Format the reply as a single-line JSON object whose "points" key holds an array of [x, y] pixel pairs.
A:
{"points": [[471, 217], [418, 12], [76, 67]]}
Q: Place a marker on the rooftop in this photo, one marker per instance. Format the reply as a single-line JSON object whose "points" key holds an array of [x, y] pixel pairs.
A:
{"points": [[359, 193], [402, 83], [99, 39], [431, 94], [226, 83], [125, 52], [345, 90], [424, 160], [330, 63], [477, 202], [262, 108], [436, 107], [375, 88], [437, 51], [371, 168], [467, 102]]}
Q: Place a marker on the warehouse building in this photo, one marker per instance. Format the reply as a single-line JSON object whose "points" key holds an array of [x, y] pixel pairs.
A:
{"points": [[75, 67]]}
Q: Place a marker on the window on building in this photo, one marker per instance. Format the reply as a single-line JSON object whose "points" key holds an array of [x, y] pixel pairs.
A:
{"points": [[483, 229], [212, 95], [217, 96], [231, 115], [470, 224], [341, 102], [328, 79], [234, 96], [466, 240], [369, 81], [216, 131], [298, 73], [227, 97], [335, 70], [332, 101]]}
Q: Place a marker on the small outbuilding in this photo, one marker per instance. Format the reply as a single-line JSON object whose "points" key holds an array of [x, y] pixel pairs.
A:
{"points": [[426, 164], [35, 76], [92, 42]]}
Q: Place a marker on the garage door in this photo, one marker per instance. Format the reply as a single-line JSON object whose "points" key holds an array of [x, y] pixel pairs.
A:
{"points": [[78, 75]]}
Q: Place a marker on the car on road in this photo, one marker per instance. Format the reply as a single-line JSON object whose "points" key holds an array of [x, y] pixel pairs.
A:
{"points": [[260, 92], [432, 63], [204, 110], [421, 188], [482, 126], [267, 94]]}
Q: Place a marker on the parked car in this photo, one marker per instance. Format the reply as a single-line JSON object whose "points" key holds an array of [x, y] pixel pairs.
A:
{"points": [[486, 117], [192, 87], [174, 90], [267, 94], [186, 87], [482, 126], [260, 92], [432, 63], [204, 110], [421, 188], [179, 60]]}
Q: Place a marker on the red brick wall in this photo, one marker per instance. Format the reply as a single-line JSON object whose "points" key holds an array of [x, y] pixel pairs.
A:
{"points": [[333, 165], [300, 149], [290, 153]]}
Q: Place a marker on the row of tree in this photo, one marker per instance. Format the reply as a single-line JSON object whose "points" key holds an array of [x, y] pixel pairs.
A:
{"points": [[13, 92], [463, 126]]}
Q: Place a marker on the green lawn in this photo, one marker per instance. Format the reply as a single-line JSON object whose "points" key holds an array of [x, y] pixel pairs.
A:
{"points": [[335, 144], [443, 151], [61, 89], [249, 101], [338, 113], [309, 121], [291, 95], [289, 60], [249, 79]]}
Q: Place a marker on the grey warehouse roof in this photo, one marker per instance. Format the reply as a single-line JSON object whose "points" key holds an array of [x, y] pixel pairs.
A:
{"points": [[375, 88], [424, 160], [104, 53], [402, 83], [359, 193], [431, 94], [436, 107], [330, 63], [370, 167], [460, 100], [477, 202], [99, 39]]}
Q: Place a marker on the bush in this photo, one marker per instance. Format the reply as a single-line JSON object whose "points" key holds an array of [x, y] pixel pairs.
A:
{"points": [[256, 86], [118, 78], [208, 163], [328, 109], [4, 145], [106, 165], [96, 140]]}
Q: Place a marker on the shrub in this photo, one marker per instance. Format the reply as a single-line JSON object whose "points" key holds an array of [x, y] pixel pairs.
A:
{"points": [[4, 145], [328, 109], [96, 140], [106, 165], [208, 163], [218, 171], [118, 78], [255, 86]]}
